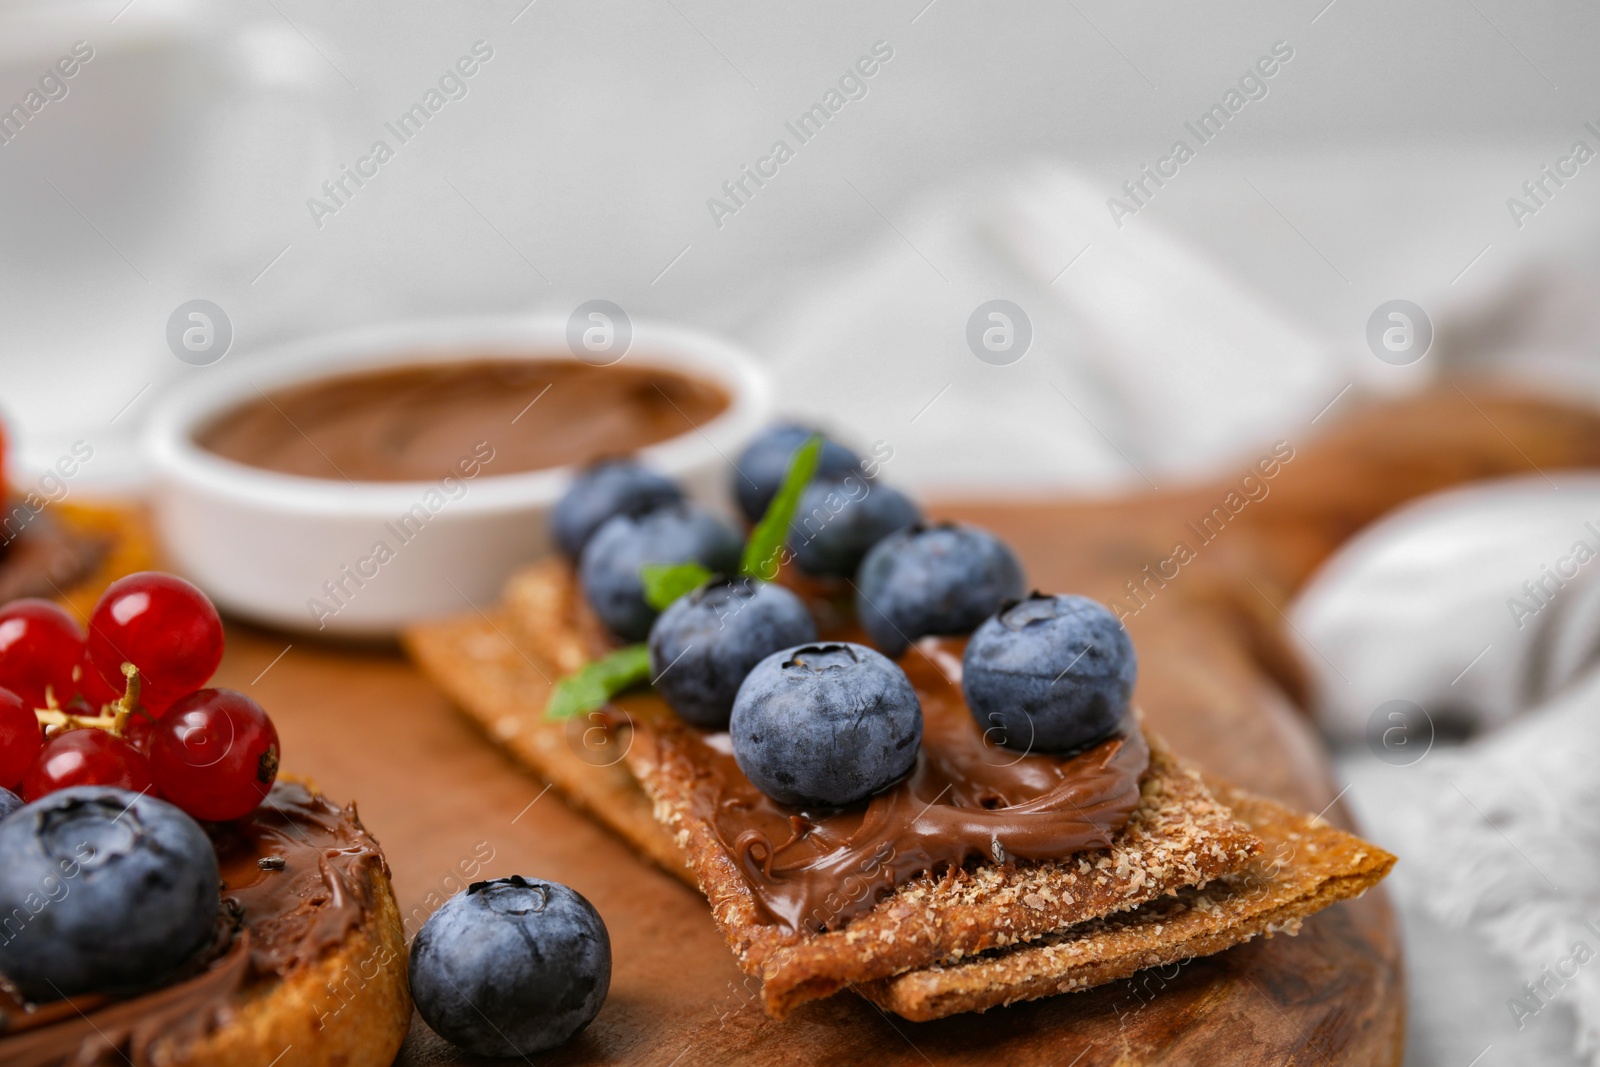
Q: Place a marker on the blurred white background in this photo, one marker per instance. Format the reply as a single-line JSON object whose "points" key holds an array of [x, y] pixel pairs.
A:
{"points": [[580, 162], [578, 165]]}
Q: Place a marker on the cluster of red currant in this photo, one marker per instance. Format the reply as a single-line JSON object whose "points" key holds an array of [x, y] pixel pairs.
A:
{"points": [[155, 640]]}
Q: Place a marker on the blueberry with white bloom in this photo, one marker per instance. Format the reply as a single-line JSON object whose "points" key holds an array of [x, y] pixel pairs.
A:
{"points": [[825, 725], [707, 641], [933, 579], [511, 967], [839, 521], [608, 488], [675, 533], [759, 470], [1050, 673], [104, 891]]}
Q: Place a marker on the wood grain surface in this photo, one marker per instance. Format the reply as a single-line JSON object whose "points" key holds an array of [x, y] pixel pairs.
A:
{"points": [[1218, 679]]}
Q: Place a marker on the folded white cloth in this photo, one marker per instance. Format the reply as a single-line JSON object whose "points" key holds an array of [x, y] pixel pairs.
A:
{"points": [[1480, 606], [1476, 604]]}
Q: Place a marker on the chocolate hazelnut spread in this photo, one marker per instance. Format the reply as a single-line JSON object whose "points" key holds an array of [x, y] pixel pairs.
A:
{"points": [[417, 423], [288, 918], [966, 798]]}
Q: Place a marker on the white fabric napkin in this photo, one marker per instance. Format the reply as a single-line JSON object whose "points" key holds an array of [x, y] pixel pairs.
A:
{"points": [[1482, 607]]}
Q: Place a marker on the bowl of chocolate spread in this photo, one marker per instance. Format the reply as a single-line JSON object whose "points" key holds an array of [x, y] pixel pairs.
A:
{"points": [[349, 484]]}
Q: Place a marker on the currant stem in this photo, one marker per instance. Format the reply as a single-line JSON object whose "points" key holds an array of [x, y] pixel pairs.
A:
{"points": [[128, 701], [54, 717], [113, 717]]}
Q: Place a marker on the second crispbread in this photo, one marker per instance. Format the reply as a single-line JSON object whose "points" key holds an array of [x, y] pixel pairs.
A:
{"points": [[1179, 836], [1305, 866]]}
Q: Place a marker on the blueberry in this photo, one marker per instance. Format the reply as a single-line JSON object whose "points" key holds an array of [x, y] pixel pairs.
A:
{"points": [[102, 891], [825, 725], [840, 520], [943, 579], [9, 802], [610, 487], [511, 967], [1050, 673], [675, 533], [760, 468], [702, 646]]}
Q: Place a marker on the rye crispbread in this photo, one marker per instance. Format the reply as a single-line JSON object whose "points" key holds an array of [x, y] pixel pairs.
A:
{"points": [[1178, 836], [1305, 866], [499, 667], [486, 664]]}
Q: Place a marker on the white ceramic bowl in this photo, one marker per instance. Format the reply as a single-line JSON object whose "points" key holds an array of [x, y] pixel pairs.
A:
{"points": [[263, 544]]}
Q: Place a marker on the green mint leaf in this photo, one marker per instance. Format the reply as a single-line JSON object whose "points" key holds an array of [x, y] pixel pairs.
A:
{"points": [[666, 582], [767, 539], [599, 681]]}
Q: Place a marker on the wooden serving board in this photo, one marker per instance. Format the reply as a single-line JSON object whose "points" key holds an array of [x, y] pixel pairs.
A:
{"points": [[1217, 679]]}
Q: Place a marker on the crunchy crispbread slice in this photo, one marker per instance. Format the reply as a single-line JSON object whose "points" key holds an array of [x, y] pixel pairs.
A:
{"points": [[1305, 866], [499, 667], [1179, 836], [501, 679]]}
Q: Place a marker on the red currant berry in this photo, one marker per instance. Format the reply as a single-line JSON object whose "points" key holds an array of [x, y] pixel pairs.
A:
{"points": [[20, 739], [86, 757], [40, 644], [137, 731], [214, 754], [162, 625], [94, 690]]}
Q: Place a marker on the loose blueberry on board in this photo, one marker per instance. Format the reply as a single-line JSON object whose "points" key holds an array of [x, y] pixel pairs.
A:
{"points": [[107, 891], [839, 521], [760, 468], [825, 725], [675, 533], [511, 967], [9, 803], [943, 579], [214, 754], [1049, 673], [702, 646], [610, 487], [20, 739], [165, 627]]}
